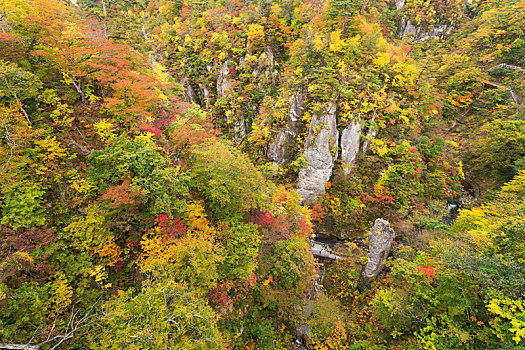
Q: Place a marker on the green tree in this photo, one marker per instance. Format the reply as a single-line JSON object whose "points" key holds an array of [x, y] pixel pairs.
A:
{"points": [[23, 205], [17, 85], [227, 178], [241, 244], [164, 315], [142, 161]]}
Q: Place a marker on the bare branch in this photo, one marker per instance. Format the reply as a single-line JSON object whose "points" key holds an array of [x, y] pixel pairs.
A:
{"points": [[82, 148], [19, 346], [75, 327], [77, 87], [9, 139], [18, 101]]}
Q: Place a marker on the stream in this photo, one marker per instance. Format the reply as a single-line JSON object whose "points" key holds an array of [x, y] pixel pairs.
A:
{"points": [[330, 244]]}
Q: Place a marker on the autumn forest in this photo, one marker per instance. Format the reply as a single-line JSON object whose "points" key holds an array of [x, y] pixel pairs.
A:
{"points": [[262, 174]]}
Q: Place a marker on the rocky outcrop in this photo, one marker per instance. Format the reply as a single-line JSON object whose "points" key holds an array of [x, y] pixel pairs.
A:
{"points": [[439, 32], [419, 34], [205, 95], [189, 93], [350, 138], [224, 86], [280, 151], [408, 29], [266, 68], [504, 66], [238, 130], [373, 130], [320, 151], [350, 141], [379, 243]]}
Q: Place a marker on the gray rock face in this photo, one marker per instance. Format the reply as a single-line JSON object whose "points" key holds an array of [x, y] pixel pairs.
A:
{"points": [[265, 64], [280, 150], [238, 130], [379, 243], [372, 132], [265, 71], [407, 28], [350, 138], [205, 95], [439, 31], [320, 151], [224, 86], [189, 93], [420, 34]]}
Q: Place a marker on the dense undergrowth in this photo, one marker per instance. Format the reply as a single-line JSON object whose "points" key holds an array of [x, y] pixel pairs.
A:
{"points": [[139, 208]]}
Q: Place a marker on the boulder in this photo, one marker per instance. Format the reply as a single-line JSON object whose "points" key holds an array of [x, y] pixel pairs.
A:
{"points": [[320, 151], [379, 243]]}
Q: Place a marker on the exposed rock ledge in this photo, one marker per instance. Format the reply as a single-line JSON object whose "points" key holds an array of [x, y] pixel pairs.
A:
{"points": [[320, 152], [350, 138], [280, 151], [224, 86], [379, 243]]}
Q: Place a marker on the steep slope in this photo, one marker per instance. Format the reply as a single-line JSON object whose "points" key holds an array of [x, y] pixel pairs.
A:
{"points": [[163, 165]]}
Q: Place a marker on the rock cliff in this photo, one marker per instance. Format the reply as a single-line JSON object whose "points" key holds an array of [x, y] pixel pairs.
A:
{"points": [[379, 243], [350, 138], [224, 86], [320, 152], [280, 151]]}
